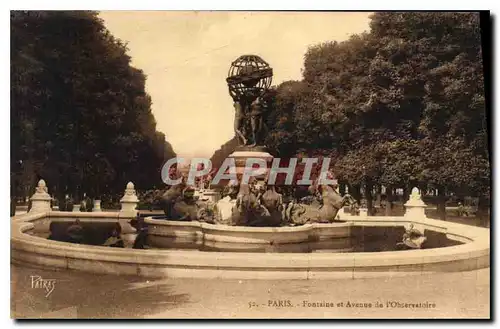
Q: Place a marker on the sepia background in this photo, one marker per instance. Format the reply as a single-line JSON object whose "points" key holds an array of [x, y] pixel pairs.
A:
{"points": [[396, 99], [186, 56]]}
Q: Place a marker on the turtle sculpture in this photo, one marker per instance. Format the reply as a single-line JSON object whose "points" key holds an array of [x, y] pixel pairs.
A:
{"points": [[412, 239]]}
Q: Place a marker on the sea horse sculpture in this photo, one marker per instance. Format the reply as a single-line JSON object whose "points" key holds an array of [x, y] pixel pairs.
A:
{"points": [[171, 196], [332, 202], [185, 207]]}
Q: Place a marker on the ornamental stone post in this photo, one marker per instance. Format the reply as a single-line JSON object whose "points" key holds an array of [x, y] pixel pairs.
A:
{"points": [[97, 206], [128, 211], [40, 201], [363, 212], [129, 202], [415, 207]]}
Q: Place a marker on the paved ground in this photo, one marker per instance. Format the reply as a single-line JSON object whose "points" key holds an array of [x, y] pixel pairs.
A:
{"points": [[84, 295]]}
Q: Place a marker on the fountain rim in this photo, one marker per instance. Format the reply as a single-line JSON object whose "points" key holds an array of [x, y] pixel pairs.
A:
{"points": [[27, 248]]}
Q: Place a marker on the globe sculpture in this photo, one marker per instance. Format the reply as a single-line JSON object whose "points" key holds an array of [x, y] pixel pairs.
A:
{"points": [[249, 77], [248, 81]]}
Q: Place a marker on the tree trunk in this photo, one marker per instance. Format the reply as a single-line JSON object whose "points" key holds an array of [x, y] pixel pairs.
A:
{"points": [[12, 206], [354, 190], [342, 188], [378, 199], [390, 199], [441, 203], [405, 194], [369, 198], [482, 212], [13, 194]]}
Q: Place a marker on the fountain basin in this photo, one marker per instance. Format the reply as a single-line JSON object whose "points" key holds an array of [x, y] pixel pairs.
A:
{"points": [[473, 254], [356, 235]]}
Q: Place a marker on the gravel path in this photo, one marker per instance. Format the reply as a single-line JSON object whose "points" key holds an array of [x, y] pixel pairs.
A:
{"points": [[83, 295]]}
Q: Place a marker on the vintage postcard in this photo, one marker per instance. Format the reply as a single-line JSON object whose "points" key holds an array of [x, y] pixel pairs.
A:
{"points": [[257, 165]]}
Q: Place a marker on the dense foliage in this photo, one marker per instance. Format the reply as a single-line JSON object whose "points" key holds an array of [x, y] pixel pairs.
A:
{"points": [[80, 116], [400, 106]]}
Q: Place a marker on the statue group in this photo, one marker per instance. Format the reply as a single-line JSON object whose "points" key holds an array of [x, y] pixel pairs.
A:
{"points": [[249, 125], [248, 81], [255, 204]]}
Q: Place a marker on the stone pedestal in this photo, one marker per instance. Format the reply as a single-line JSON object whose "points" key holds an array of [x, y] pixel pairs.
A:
{"points": [[76, 207], [128, 211], [363, 212], [415, 207], [240, 157], [97, 206], [129, 202], [40, 201]]}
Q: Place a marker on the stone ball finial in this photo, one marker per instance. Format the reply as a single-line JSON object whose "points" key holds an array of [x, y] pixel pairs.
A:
{"points": [[41, 187], [129, 201], [41, 198], [415, 194]]}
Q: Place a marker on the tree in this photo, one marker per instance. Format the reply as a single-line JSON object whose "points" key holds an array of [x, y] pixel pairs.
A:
{"points": [[288, 100], [448, 89], [400, 106], [81, 118]]}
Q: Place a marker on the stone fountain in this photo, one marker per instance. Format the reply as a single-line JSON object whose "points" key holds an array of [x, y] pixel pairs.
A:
{"points": [[251, 202]]}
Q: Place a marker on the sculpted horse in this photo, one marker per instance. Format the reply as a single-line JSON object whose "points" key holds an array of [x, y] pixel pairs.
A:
{"points": [[171, 196], [332, 202], [185, 207]]}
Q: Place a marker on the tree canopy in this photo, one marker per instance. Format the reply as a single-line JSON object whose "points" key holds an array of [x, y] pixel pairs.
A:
{"points": [[401, 105], [80, 116]]}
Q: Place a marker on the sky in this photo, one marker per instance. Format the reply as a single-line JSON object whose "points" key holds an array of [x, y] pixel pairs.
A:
{"points": [[186, 57]]}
